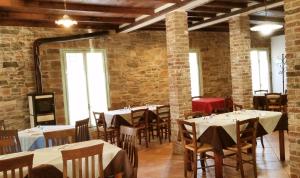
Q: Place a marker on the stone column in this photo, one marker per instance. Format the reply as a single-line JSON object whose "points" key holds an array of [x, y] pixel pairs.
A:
{"points": [[178, 68], [292, 37], [240, 46]]}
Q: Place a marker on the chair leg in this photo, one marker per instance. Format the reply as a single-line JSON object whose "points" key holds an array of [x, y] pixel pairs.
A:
{"points": [[146, 136], [240, 162], [195, 164], [139, 135], [202, 156], [160, 134], [185, 162], [254, 162], [262, 141], [169, 132]]}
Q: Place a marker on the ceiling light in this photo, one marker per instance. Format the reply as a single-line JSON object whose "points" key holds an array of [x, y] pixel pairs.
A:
{"points": [[266, 28], [66, 21]]}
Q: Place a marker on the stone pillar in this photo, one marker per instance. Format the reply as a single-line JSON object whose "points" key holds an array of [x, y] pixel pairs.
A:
{"points": [[240, 46], [178, 68], [292, 37]]}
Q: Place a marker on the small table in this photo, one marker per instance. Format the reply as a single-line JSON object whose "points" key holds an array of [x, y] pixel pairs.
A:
{"points": [[207, 105], [33, 138], [220, 130], [259, 101], [48, 163], [124, 115]]}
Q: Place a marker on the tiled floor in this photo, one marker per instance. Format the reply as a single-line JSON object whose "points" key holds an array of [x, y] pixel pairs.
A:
{"points": [[157, 161]]}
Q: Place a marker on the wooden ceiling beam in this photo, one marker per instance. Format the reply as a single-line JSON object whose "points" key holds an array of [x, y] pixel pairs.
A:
{"points": [[223, 18], [200, 14], [52, 17], [59, 6], [183, 6], [30, 23], [263, 18], [212, 9], [227, 4]]}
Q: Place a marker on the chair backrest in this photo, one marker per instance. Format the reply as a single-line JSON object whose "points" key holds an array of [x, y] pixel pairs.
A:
{"points": [[13, 145], [246, 131], [163, 113], [139, 116], [237, 107], [60, 137], [128, 137], [197, 97], [188, 136], [273, 101], [81, 155], [2, 125], [228, 104], [195, 114], [260, 91], [100, 120], [82, 130], [9, 166]]}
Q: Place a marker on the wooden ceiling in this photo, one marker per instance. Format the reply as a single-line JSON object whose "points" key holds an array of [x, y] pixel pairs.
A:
{"points": [[129, 15]]}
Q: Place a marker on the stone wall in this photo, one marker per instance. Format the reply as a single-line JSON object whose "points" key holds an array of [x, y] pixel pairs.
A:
{"points": [[260, 41], [214, 52], [16, 71], [137, 67]]}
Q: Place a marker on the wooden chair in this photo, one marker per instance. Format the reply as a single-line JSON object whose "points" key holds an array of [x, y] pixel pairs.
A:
{"points": [[273, 102], [139, 120], [237, 107], [260, 91], [162, 123], [246, 139], [103, 132], [10, 141], [82, 156], [195, 114], [82, 130], [190, 144], [127, 142], [61, 137], [2, 125], [19, 163]]}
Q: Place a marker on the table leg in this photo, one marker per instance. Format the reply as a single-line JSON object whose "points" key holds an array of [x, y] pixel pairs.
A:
{"points": [[218, 165], [281, 145]]}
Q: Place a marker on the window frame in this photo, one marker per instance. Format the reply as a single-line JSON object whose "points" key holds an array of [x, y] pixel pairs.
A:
{"points": [[269, 65], [199, 70], [63, 74]]}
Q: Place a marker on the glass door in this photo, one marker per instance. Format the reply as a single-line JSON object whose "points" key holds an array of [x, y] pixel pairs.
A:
{"points": [[85, 84]]}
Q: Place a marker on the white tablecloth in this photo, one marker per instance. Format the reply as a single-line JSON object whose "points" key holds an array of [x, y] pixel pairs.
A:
{"points": [[268, 120], [31, 139], [125, 113], [52, 156]]}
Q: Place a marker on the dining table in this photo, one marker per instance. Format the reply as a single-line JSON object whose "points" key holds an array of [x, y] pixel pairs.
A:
{"points": [[48, 162], [33, 138], [220, 130], [123, 116], [208, 104]]}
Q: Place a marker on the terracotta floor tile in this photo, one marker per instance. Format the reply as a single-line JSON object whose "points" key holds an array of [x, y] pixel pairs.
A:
{"points": [[157, 161]]}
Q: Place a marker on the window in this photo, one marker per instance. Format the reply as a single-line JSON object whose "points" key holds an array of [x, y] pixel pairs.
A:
{"points": [[85, 83], [194, 73], [260, 70]]}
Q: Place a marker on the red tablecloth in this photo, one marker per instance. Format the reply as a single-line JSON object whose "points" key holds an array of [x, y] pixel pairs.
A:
{"points": [[207, 105]]}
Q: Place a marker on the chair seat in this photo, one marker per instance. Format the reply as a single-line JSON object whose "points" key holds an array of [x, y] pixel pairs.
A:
{"points": [[200, 149], [244, 146]]}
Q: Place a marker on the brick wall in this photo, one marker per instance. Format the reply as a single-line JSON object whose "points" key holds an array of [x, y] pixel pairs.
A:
{"points": [[137, 64], [240, 45], [292, 36]]}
